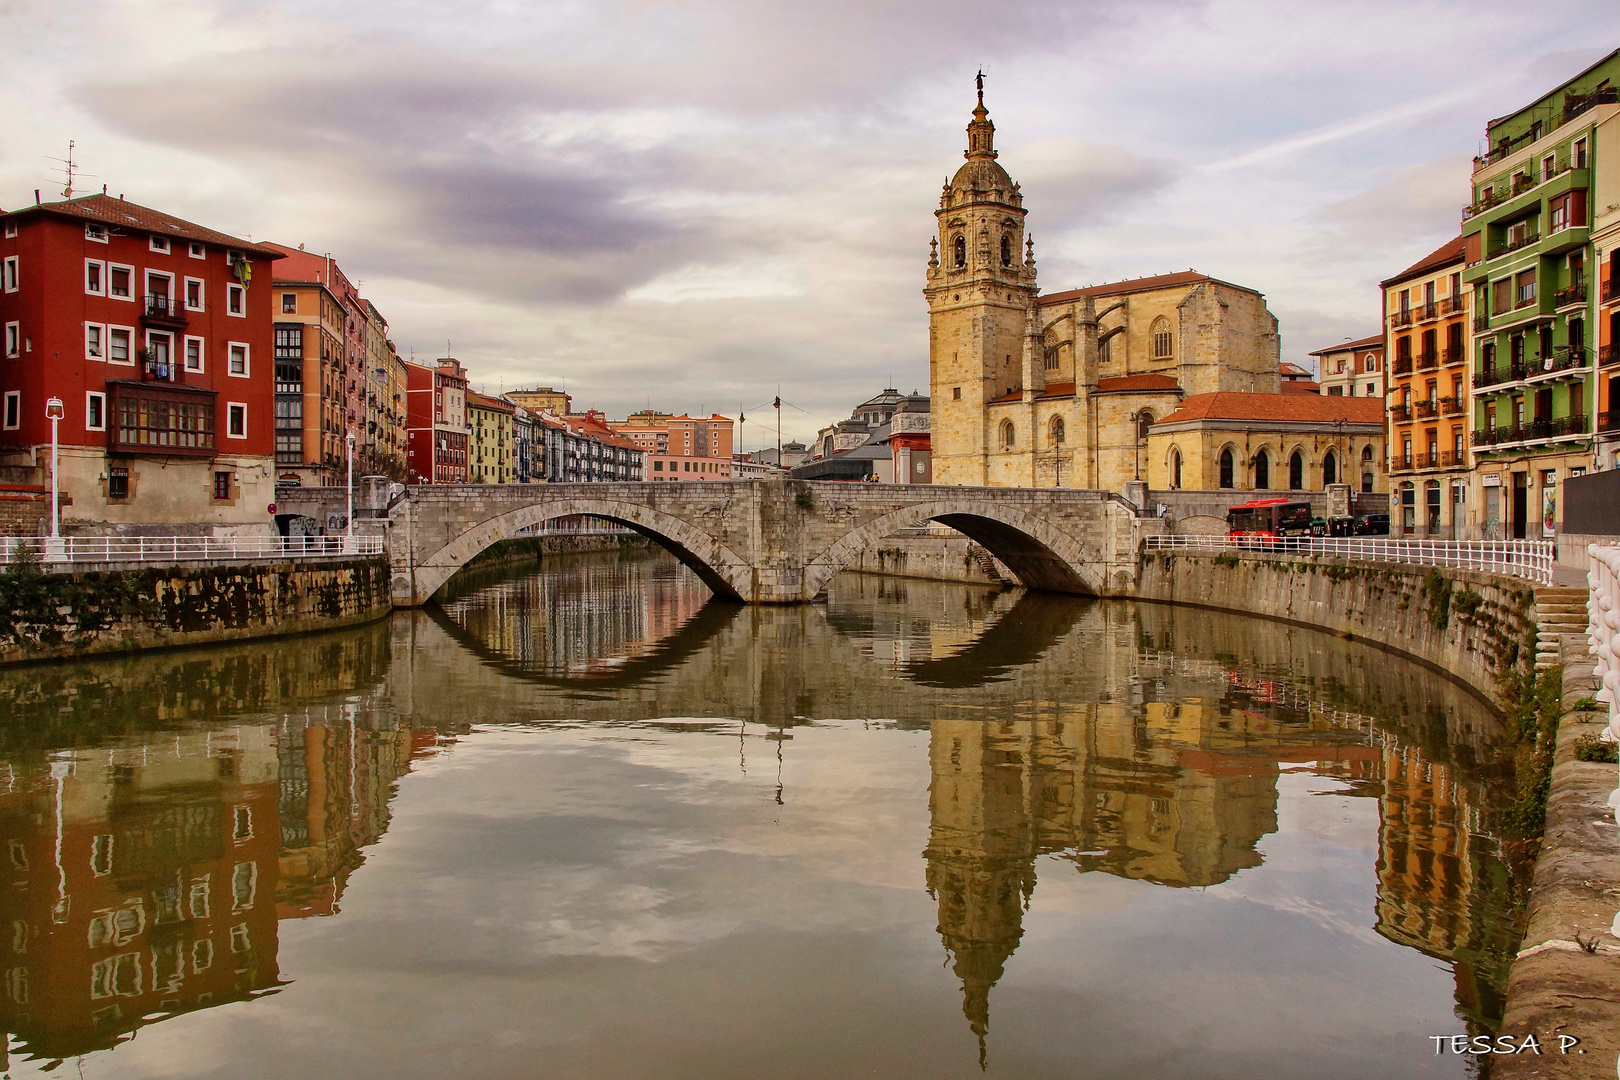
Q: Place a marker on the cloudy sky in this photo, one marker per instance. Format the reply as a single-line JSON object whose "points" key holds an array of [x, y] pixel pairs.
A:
{"points": [[692, 204]]}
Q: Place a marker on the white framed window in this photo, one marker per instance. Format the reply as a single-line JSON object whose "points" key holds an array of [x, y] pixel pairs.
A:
{"points": [[198, 250], [121, 345], [236, 301], [13, 411], [235, 420], [13, 340], [8, 273], [95, 411], [95, 277], [159, 243], [194, 353], [194, 294], [120, 281], [11, 229], [159, 284], [95, 341], [238, 365], [95, 232]]}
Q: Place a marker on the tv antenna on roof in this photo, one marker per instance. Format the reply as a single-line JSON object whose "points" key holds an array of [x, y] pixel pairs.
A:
{"points": [[70, 170]]}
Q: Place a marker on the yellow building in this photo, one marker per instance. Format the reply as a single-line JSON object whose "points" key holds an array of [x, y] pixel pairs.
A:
{"points": [[1059, 390], [491, 450], [541, 399], [1269, 442]]}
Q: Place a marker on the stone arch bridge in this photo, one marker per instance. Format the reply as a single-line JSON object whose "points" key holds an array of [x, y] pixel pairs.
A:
{"points": [[763, 541]]}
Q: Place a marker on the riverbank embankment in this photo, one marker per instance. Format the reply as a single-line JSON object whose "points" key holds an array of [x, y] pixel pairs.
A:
{"points": [[57, 616], [933, 558], [1566, 979]]}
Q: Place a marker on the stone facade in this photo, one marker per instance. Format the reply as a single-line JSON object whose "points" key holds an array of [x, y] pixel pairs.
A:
{"points": [[1057, 390]]}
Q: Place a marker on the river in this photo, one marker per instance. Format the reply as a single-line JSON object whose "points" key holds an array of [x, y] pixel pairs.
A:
{"points": [[581, 822]]}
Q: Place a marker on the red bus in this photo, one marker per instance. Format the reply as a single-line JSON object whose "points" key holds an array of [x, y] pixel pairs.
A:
{"points": [[1269, 519]]}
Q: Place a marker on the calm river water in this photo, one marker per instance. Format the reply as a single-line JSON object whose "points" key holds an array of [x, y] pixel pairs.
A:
{"points": [[583, 823]]}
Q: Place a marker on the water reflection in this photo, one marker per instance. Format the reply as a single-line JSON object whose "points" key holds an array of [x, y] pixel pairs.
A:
{"points": [[148, 870], [163, 815]]}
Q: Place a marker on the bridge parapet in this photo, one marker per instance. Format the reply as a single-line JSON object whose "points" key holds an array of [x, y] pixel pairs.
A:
{"points": [[777, 540]]}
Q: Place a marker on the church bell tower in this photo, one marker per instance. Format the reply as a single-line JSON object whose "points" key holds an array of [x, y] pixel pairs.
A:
{"points": [[981, 290]]}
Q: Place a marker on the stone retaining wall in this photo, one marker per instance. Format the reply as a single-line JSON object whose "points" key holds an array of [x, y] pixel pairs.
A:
{"points": [[1467, 624], [52, 616]]}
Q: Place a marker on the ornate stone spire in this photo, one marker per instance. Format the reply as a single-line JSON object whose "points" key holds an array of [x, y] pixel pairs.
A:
{"points": [[981, 132]]}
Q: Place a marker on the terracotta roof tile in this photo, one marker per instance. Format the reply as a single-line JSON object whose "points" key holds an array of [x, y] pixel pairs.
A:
{"points": [[1135, 285], [483, 402], [1444, 255], [1136, 384], [1284, 408], [124, 215], [1302, 386], [1348, 346]]}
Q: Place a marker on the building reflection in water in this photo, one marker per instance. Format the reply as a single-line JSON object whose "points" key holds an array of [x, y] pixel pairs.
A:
{"points": [[146, 880], [1180, 794]]}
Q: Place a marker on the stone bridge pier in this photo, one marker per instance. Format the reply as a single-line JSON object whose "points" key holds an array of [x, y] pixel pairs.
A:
{"points": [[774, 541]]}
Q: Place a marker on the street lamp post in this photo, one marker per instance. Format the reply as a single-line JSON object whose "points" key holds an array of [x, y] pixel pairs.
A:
{"points": [[54, 412], [348, 541]]}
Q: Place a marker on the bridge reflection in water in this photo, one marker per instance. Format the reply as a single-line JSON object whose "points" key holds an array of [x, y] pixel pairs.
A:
{"points": [[154, 846]]}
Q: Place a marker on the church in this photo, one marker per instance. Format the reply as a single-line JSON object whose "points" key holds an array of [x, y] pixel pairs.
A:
{"points": [[1060, 390]]}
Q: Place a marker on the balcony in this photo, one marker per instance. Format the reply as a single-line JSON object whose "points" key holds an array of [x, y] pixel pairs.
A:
{"points": [[1514, 244], [1451, 406], [1451, 459], [1428, 360], [1575, 294], [1452, 305], [148, 418], [1400, 463], [1427, 311], [1428, 461], [1400, 414], [1403, 365], [1611, 289], [1482, 323], [1557, 427], [1608, 354], [1487, 377], [162, 312], [1401, 318], [1427, 410], [1449, 356], [1563, 359], [1609, 421]]}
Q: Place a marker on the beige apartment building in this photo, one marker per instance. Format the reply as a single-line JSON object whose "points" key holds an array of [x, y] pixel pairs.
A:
{"points": [[1353, 369], [541, 399], [491, 446], [1060, 390]]}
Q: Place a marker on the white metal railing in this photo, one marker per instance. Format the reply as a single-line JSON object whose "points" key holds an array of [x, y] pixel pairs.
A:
{"points": [[1530, 559], [173, 549]]}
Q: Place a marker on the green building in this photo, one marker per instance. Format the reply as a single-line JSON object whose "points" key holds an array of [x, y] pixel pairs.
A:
{"points": [[1530, 259]]}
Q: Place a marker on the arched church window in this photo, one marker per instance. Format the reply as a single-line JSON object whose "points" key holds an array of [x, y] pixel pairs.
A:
{"points": [[1057, 431], [1006, 251], [1163, 340], [1330, 469], [1226, 468], [1051, 359], [1262, 470], [1366, 456], [960, 247], [1007, 437], [1175, 468], [1296, 471]]}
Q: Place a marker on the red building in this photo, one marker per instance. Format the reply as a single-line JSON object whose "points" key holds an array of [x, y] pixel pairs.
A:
{"points": [[436, 428], [156, 335]]}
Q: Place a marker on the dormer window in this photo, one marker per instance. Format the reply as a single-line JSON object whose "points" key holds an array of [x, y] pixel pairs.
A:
{"points": [[959, 247], [160, 244]]}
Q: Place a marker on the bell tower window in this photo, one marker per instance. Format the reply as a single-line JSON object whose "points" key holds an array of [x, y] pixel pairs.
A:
{"points": [[1006, 251], [959, 251]]}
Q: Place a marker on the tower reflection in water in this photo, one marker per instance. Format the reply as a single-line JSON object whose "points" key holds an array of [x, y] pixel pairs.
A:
{"points": [[1180, 795], [146, 879]]}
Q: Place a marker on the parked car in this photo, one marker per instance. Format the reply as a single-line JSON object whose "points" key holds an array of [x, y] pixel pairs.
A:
{"points": [[1340, 526], [1372, 525], [1319, 526]]}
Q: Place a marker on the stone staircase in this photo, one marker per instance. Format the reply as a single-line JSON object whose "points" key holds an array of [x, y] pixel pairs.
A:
{"points": [[988, 564], [1558, 612]]}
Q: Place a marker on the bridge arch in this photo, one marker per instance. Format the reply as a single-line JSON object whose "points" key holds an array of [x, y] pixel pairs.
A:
{"points": [[1040, 556], [718, 566]]}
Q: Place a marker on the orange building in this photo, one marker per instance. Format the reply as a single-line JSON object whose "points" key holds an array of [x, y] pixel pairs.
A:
{"points": [[681, 447], [1426, 322]]}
